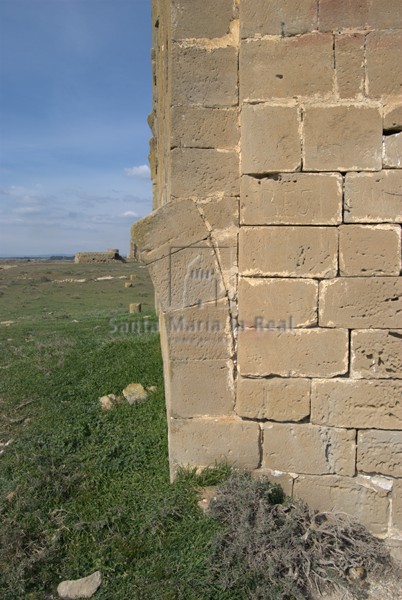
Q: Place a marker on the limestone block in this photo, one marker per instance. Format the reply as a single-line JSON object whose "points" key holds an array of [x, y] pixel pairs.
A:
{"points": [[198, 333], [203, 442], [268, 17], [349, 61], [383, 63], [198, 127], [276, 399], [286, 67], [297, 353], [277, 300], [335, 15], [187, 277], [201, 388], [172, 225], [270, 139], [221, 214], [309, 449], [342, 138], [392, 151], [370, 250], [292, 199], [200, 173], [359, 404], [285, 480], [205, 77], [376, 354], [356, 496], [373, 197], [380, 452], [397, 505], [200, 18], [361, 303], [289, 251], [393, 117]]}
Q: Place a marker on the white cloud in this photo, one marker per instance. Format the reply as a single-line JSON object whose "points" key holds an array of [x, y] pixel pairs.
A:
{"points": [[129, 213], [142, 172]]}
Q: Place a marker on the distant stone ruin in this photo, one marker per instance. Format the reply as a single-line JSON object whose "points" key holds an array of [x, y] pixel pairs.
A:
{"points": [[111, 255], [275, 243]]}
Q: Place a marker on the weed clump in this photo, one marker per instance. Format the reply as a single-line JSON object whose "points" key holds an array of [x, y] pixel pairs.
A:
{"points": [[276, 547]]}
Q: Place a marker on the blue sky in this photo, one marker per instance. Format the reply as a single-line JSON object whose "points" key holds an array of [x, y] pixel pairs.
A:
{"points": [[75, 92]]}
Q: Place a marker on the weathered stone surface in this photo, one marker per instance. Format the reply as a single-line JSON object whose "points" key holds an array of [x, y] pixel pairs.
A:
{"points": [[335, 15], [393, 117], [277, 300], [206, 19], [292, 199], [392, 151], [270, 139], [342, 138], [349, 61], [380, 452], [373, 197], [276, 399], [384, 48], [369, 250], [286, 67], [187, 277], [285, 480], [204, 172], [289, 251], [202, 442], [361, 303], [221, 214], [309, 449], [201, 388], [198, 127], [204, 77], [359, 404], [376, 354], [156, 234], [198, 333], [109, 401], [397, 505], [297, 353], [267, 17], [357, 496], [135, 393], [80, 588]]}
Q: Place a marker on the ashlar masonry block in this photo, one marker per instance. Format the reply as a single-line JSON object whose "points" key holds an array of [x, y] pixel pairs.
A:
{"points": [[198, 127], [380, 452], [342, 138], [309, 449], [349, 61], [392, 151], [376, 354], [201, 388], [384, 67], [270, 139], [206, 19], [362, 404], [277, 300], [203, 442], [268, 17], [292, 199], [356, 496], [360, 14], [289, 251], [275, 399], [204, 77], [397, 505], [369, 250], [203, 172], [297, 353], [373, 197], [361, 303], [287, 67]]}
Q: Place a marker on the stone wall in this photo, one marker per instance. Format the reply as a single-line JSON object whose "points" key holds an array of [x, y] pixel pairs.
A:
{"points": [[275, 243], [111, 255]]}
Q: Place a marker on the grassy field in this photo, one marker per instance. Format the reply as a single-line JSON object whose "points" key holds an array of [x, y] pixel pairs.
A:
{"points": [[82, 489]]}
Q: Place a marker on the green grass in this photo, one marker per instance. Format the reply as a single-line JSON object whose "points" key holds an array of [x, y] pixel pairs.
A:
{"points": [[82, 489]]}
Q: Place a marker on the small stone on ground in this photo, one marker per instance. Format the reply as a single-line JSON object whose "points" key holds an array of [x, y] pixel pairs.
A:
{"points": [[80, 588], [134, 393]]}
